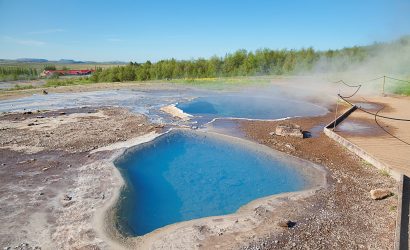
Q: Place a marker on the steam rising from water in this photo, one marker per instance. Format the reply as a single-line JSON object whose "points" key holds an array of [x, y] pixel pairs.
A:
{"points": [[319, 84], [391, 59]]}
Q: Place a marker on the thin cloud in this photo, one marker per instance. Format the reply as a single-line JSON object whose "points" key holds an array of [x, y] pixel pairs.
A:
{"points": [[27, 42], [46, 31], [114, 40], [30, 42]]}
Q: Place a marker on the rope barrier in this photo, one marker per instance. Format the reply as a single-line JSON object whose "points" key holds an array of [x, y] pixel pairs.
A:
{"points": [[371, 80], [397, 79], [337, 105], [352, 86], [357, 90], [371, 113], [385, 130], [344, 98]]}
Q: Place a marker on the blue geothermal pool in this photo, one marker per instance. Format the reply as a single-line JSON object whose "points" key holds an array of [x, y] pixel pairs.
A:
{"points": [[186, 175], [251, 107]]}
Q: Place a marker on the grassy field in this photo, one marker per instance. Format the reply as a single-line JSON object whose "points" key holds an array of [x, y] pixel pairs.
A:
{"points": [[223, 83], [403, 89], [80, 85], [220, 83], [399, 86], [20, 87], [67, 82], [15, 71], [210, 83]]}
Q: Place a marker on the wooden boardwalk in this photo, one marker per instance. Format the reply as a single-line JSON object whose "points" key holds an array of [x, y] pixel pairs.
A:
{"points": [[361, 129]]}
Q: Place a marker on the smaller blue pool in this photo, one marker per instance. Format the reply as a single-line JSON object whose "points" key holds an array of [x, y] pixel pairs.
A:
{"points": [[185, 175], [251, 107]]}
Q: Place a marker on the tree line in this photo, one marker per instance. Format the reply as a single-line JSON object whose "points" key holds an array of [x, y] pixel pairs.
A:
{"points": [[10, 73], [239, 63], [26, 72], [248, 63]]}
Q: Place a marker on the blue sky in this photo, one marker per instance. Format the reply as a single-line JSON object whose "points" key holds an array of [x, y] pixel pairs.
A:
{"points": [[184, 29]]}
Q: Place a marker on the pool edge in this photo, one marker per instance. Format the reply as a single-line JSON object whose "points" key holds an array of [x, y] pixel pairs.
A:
{"points": [[107, 215]]}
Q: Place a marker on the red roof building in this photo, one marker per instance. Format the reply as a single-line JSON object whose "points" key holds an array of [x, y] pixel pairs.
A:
{"points": [[74, 72]]}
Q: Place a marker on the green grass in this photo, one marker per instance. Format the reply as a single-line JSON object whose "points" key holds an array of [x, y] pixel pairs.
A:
{"points": [[6, 78], [366, 164], [384, 172], [219, 83], [39, 67], [66, 82], [402, 89], [21, 87]]}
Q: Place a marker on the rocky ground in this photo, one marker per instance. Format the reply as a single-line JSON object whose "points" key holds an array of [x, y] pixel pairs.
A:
{"points": [[342, 216], [51, 183], [55, 179]]}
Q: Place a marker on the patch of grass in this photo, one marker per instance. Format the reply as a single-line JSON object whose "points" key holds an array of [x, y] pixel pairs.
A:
{"points": [[402, 89], [366, 164], [21, 87], [66, 82], [384, 172], [392, 208], [220, 83]]}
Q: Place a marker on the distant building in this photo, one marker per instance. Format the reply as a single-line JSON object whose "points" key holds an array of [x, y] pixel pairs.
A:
{"points": [[74, 72]]}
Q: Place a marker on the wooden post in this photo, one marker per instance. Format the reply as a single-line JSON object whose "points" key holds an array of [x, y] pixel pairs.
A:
{"points": [[384, 82], [337, 105]]}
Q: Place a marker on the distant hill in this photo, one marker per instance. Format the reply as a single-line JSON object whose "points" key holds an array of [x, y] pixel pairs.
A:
{"points": [[61, 61], [37, 60], [115, 62], [69, 61]]}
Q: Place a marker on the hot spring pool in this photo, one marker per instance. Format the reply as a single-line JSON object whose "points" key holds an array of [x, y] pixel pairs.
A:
{"points": [[186, 175], [251, 107]]}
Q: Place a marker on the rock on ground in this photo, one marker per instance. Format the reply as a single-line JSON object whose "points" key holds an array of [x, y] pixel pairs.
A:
{"points": [[289, 130], [379, 194], [341, 216]]}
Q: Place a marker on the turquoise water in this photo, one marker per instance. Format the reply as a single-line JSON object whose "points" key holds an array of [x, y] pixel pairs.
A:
{"points": [[251, 107], [182, 176]]}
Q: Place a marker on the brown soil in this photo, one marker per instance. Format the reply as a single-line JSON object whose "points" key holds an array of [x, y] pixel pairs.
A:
{"points": [[342, 216]]}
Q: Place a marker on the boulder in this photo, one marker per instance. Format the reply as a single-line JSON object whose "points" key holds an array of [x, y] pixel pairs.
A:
{"points": [[290, 147], [289, 130], [379, 194]]}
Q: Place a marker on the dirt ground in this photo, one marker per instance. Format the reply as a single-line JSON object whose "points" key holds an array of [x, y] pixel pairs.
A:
{"points": [[51, 185], [54, 180], [343, 216]]}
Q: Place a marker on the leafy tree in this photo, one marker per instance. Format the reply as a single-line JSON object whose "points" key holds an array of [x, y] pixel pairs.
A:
{"points": [[242, 63], [50, 67]]}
